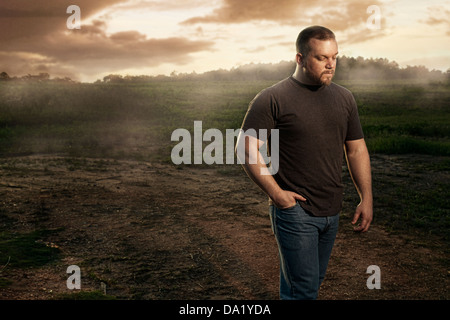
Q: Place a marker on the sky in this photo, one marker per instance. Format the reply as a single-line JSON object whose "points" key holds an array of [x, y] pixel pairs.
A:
{"points": [[152, 37]]}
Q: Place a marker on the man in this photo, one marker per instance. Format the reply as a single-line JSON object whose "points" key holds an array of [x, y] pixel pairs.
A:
{"points": [[318, 123]]}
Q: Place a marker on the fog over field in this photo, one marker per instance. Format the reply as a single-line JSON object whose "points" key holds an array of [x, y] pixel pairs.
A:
{"points": [[87, 179]]}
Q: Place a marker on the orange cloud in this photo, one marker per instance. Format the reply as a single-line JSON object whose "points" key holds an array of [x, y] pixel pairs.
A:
{"points": [[335, 14], [35, 38], [438, 15], [237, 11], [91, 51], [22, 19]]}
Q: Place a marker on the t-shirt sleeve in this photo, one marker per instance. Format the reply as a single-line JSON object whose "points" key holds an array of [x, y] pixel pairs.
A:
{"points": [[354, 128], [260, 114]]}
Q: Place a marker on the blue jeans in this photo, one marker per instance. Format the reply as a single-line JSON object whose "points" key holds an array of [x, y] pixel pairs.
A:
{"points": [[304, 243]]}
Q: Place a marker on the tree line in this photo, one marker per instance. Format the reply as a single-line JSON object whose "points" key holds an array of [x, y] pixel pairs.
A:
{"points": [[41, 77], [348, 68]]}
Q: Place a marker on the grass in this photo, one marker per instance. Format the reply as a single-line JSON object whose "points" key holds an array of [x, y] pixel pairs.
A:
{"points": [[400, 118], [135, 121], [26, 250], [414, 198], [404, 144], [110, 120]]}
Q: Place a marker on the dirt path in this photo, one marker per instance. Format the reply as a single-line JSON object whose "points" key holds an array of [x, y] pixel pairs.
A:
{"points": [[155, 231]]}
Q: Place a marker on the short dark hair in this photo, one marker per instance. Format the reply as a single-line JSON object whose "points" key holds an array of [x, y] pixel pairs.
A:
{"points": [[313, 32]]}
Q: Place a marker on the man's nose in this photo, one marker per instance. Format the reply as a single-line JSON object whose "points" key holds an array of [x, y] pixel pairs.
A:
{"points": [[330, 64]]}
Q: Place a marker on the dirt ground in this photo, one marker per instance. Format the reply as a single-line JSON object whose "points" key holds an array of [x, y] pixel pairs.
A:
{"points": [[141, 230]]}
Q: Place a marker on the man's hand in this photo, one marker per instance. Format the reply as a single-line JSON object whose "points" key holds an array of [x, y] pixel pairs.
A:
{"points": [[359, 165], [286, 199], [365, 212], [253, 164]]}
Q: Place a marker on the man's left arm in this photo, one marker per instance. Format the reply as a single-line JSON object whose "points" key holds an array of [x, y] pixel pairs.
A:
{"points": [[358, 162]]}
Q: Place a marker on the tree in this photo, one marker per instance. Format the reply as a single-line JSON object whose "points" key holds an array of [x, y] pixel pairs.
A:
{"points": [[4, 76]]}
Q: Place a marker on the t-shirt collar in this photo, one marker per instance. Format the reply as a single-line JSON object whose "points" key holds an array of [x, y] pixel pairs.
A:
{"points": [[311, 87]]}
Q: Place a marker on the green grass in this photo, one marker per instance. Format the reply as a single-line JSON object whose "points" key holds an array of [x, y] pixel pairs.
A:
{"points": [[404, 117], [403, 144], [4, 283], [117, 121], [412, 201], [26, 250], [135, 121]]}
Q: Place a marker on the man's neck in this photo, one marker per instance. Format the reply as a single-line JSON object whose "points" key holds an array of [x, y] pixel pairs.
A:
{"points": [[301, 77]]}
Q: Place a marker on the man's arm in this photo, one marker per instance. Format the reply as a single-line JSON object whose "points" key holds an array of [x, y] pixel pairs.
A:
{"points": [[256, 169], [358, 162]]}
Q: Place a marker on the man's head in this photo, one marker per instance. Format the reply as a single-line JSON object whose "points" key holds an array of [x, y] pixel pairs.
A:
{"points": [[316, 54]]}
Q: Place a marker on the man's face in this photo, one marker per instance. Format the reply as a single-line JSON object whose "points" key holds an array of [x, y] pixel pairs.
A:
{"points": [[320, 64]]}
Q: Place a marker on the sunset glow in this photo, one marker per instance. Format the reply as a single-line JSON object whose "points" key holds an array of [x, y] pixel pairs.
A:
{"points": [[138, 37]]}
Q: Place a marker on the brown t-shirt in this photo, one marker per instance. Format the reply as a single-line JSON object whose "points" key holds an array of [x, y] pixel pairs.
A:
{"points": [[313, 123]]}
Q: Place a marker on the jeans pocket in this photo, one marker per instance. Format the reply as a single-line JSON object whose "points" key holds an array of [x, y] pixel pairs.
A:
{"points": [[289, 217], [290, 208]]}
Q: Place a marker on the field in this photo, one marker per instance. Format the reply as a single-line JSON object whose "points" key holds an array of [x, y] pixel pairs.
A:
{"points": [[86, 179]]}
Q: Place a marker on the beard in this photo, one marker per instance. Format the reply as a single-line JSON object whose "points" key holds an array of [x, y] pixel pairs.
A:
{"points": [[318, 79]]}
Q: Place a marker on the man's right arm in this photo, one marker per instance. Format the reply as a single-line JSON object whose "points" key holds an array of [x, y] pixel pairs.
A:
{"points": [[255, 167]]}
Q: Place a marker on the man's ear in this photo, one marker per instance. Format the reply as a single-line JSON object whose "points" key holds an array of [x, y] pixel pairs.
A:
{"points": [[299, 59]]}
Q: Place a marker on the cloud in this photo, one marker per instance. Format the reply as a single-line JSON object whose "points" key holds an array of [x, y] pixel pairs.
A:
{"points": [[22, 19], [339, 14], [128, 46], [348, 18], [163, 5], [35, 38], [29, 63], [344, 16], [237, 11], [438, 15], [91, 50]]}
